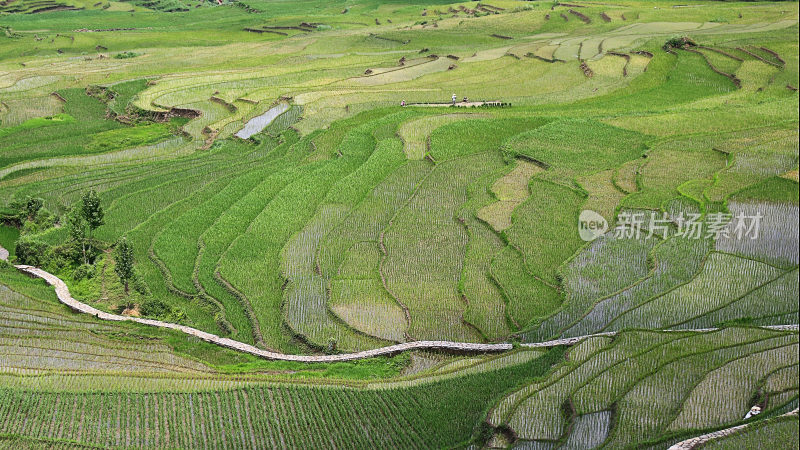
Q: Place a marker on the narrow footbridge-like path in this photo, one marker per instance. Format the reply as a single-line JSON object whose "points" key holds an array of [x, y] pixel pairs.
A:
{"points": [[695, 442], [63, 294]]}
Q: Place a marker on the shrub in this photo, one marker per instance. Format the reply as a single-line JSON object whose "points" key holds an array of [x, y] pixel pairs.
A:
{"points": [[154, 308], [140, 285], [29, 228], [176, 315], [32, 252], [77, 252], [679, 42], [158, 309], [84, 271], [45, 219], [126, 55], [32, 207]]}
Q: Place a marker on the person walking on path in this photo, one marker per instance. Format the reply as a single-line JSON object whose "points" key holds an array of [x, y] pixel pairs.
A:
{"points": [[454, 99]]}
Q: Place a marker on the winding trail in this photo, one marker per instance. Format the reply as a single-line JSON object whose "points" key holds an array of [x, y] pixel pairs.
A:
{"points": [[694, 442], [461, 104], [63, 294]]}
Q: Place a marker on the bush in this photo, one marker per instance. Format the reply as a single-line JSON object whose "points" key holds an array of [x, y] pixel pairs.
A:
{"points": [[32, 207], [140, 286], [33, 252], [158, 309], [45, 219], [20, 211], [176, 315], [74, 252], [29, 228], [154, 308], [30, 215], [680, 42], [126, 55], [84, 271], [57, 259]]}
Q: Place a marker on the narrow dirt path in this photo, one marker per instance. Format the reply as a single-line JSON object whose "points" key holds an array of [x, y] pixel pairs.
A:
{"points": [[63, 294], [694, 442], [460, 104]]}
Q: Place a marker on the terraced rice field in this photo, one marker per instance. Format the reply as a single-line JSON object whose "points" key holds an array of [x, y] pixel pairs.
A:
{"points": [[595, 247]]}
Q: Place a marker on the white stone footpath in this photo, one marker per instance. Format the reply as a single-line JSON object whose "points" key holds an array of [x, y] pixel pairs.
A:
{"points": [[691, 443], [62, 292]]}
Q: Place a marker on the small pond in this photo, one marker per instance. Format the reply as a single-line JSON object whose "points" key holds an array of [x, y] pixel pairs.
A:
{"points": [[258, 123]]}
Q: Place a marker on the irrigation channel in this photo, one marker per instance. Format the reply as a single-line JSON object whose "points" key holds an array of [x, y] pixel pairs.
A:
{"points": [[258, 123], [63, 294]]}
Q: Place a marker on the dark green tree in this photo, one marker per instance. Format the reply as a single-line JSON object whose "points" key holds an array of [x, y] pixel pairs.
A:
{"points": [[123, 257], [78, 230], [92, 210]]}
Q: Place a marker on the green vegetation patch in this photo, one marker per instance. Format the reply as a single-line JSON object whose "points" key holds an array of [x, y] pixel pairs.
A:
{"points": [[8, 238], [127, 137], [775, 189], [580, 145], [37, 123]]}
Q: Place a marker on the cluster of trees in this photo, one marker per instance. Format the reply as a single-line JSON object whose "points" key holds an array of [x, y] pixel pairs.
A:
{"points": [[30, 215], [81, 248], [80, 222], [72, 251]]}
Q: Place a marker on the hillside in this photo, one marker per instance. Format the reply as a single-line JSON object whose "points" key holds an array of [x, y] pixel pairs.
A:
{"points": [[398, 224]]}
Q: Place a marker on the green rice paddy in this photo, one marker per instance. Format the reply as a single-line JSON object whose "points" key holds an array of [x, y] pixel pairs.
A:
{"points": [[373, 211]]}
